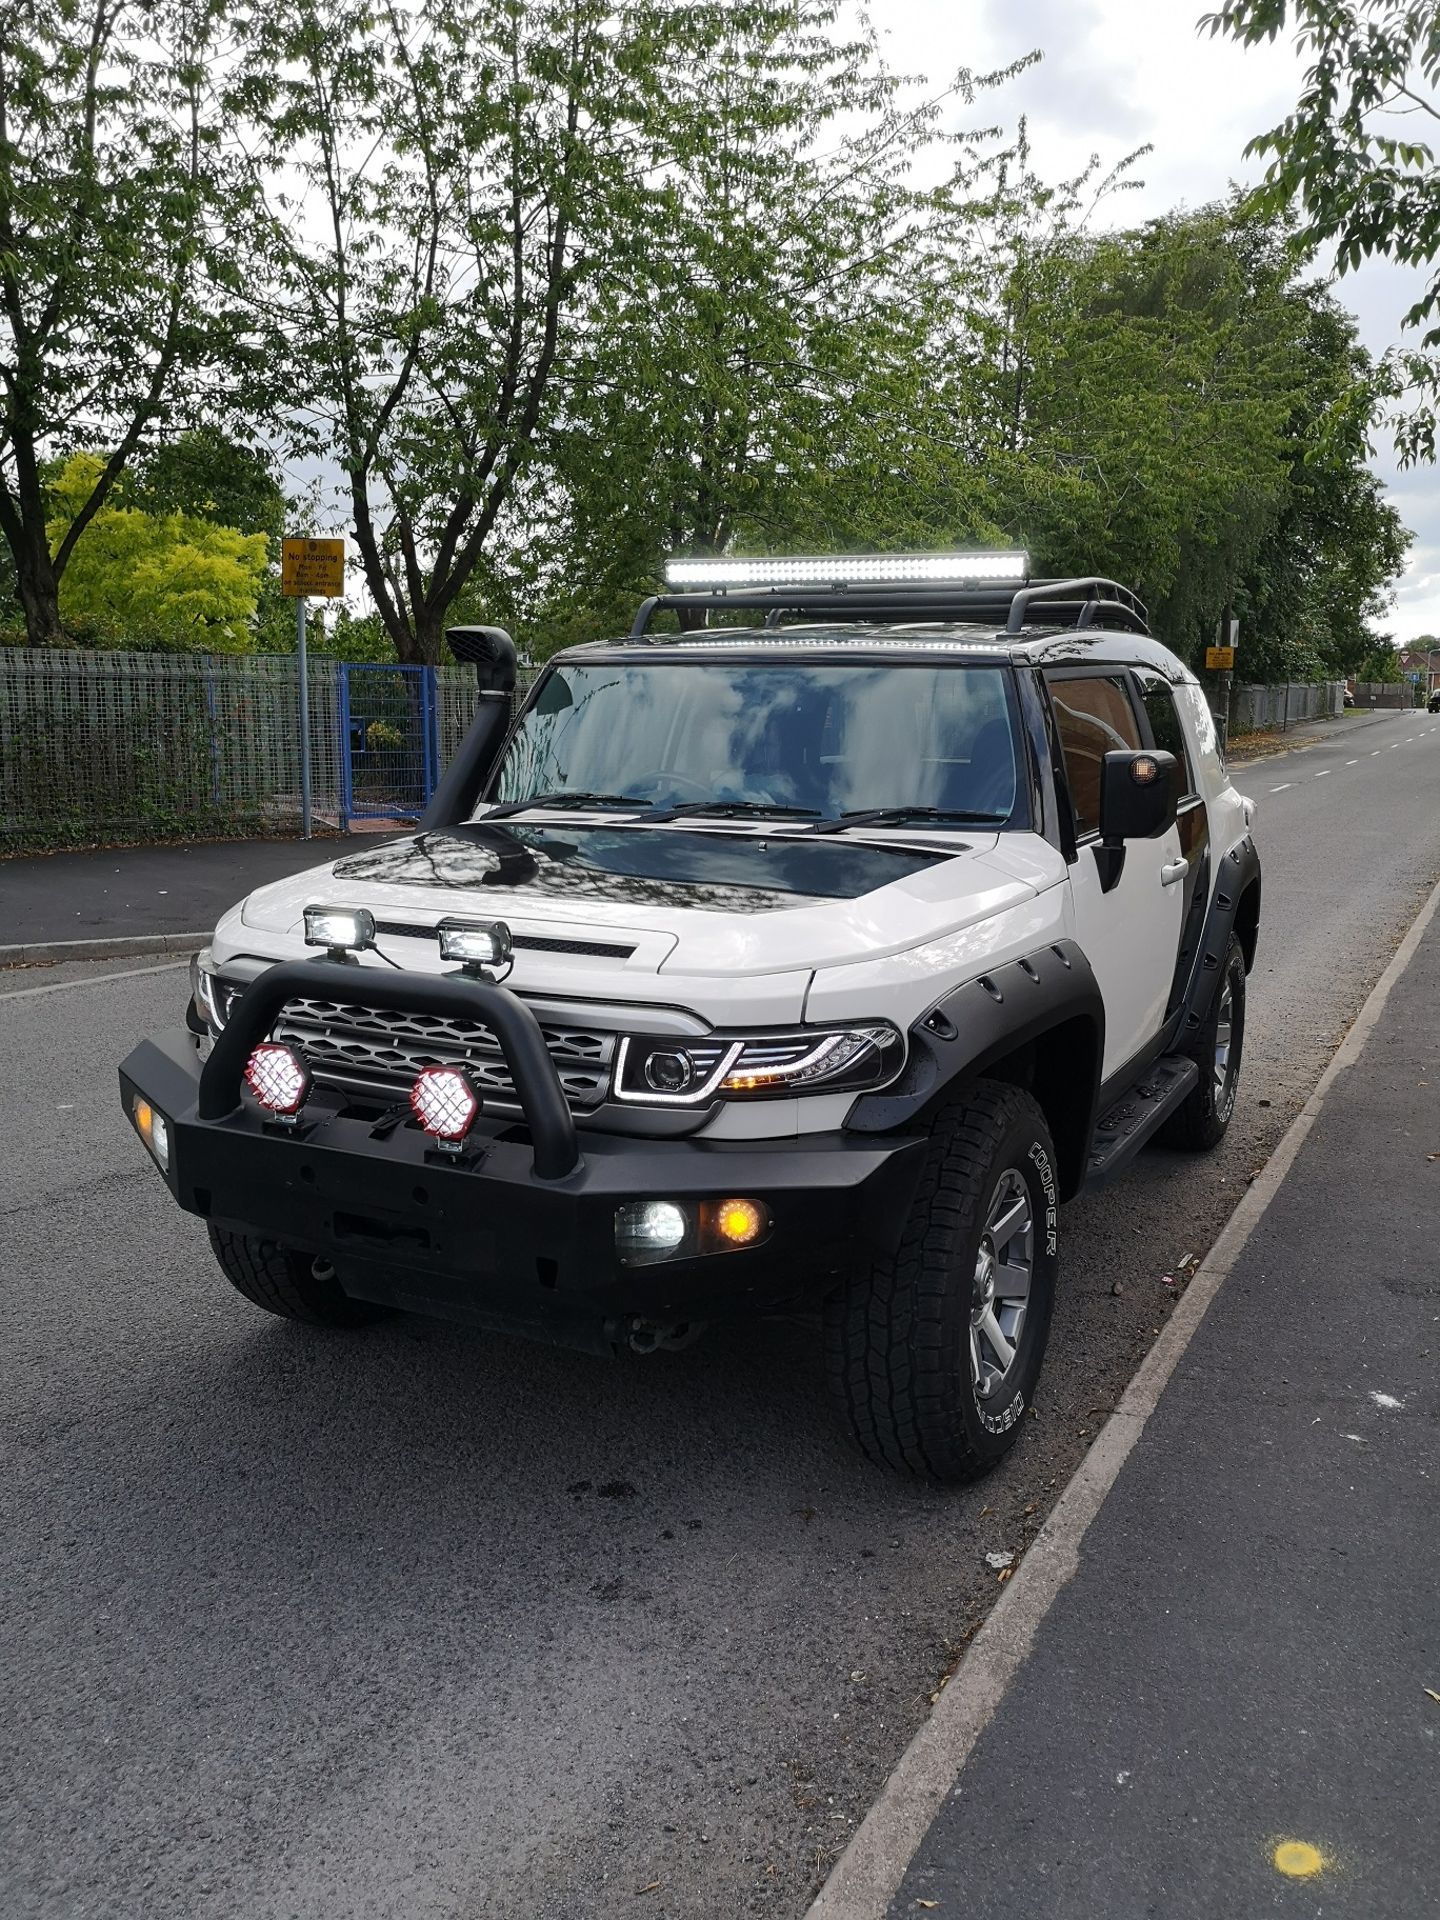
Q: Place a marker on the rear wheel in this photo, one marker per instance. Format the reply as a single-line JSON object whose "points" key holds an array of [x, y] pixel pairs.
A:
{"points": [[1216, 1048], [932, 1357], [287, 1282]]}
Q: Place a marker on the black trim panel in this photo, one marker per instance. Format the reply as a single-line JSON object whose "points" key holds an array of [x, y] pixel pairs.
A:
{"points": [[991, 1018], [1238, 871]]}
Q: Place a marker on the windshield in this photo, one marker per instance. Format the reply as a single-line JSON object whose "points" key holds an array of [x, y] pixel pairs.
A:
{"points": [[828, 740]]}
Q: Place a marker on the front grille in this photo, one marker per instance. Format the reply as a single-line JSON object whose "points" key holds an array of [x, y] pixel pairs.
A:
{"points": [[365, 1049]]}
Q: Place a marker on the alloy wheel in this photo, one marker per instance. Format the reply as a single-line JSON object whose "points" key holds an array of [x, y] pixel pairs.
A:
{"points": [[1001, 1292]]}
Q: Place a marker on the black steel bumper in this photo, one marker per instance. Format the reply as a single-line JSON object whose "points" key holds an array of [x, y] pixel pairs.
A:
{"points": [[521, 1231]]}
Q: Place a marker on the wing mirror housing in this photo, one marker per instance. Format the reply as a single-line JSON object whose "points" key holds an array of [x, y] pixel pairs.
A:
{"points": [[1137, 802], [1137, 797]]}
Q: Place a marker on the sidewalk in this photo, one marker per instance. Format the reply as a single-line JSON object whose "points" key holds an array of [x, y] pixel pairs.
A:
{"points": [[1241, 1664], [1307, 733], [143, 892]]}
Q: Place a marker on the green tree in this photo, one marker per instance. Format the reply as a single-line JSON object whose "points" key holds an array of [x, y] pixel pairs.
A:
{"points": [[1348, 154], [109, 163], [206, 474], [761, 373], [1174, 407], [166, 580], [434, 189]]}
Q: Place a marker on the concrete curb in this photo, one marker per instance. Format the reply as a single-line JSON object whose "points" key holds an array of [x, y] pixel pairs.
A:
{"points": [[120, 946], [871, 1869]]}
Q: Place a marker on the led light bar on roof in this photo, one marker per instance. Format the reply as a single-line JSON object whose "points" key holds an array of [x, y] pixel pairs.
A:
{"points": [[849, 569]]}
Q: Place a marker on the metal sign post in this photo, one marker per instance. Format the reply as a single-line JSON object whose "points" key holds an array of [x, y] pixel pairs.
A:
{"points": [[303, 667], [1221, 659], [306, 567]]}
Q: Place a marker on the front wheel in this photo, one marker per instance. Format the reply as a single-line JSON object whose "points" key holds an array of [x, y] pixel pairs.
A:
{"points": [[932, 1357], [1216, 1047]]}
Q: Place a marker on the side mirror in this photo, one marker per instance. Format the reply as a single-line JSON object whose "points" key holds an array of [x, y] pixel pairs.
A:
{"points": [[1137, 797]]}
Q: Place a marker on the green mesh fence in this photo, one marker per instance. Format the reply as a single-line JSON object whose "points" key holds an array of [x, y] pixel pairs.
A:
{"points": [[110, 748]]}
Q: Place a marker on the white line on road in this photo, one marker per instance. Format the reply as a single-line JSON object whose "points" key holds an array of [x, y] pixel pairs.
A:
{"points": [[872, 1867], [1323, 771], [1352, 763], [101, 980], [1282, 786]]}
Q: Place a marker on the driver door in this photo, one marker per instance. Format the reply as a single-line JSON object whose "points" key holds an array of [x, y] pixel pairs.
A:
{"points": [[1130, 935]]}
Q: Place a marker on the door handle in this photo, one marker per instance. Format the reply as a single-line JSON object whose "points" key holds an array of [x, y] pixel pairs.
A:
{"points": [[1172, 871]]}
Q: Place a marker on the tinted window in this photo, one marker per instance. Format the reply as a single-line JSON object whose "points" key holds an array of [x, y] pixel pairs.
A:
{"points": [[1094, 717], [833, 739], [1165, 725]]}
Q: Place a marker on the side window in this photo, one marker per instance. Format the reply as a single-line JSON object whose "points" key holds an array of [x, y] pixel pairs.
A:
{"points": [[1165, 725], [1094, 717]]}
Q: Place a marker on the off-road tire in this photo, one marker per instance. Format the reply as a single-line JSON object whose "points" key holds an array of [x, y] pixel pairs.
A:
{"points": [[1202, 1119], [283, 1281], [897, 1333]]}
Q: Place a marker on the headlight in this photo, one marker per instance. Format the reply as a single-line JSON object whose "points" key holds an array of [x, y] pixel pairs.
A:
{"points": [[211, 996], [688, 1073]]}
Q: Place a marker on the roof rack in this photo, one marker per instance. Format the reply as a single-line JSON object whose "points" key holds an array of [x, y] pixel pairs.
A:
{"points": [[1078, 603]]}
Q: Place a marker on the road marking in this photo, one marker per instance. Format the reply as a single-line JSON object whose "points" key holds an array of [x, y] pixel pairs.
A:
{"points": [[1282, 786], [1352, 763], [1298, 1859], [871, 1868], [1321, 775], [102, 980], [1375, 753]]}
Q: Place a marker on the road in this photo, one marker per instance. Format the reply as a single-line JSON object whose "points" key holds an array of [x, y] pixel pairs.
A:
{"points": [[425, 1623]]}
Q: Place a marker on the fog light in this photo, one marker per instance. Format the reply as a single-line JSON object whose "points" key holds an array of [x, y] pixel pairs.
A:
{"points": [[647, 1230], [483, 943], [278, 1078], [445, 1103], [340, 929], [152, 1129], [740, 1222]]}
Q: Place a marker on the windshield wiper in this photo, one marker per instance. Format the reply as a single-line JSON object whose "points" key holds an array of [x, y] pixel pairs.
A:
{"points": [[904, 816], [735, 810], [567, 797]]}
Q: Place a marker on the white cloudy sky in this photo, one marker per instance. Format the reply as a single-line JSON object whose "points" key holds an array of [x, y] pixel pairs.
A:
{"points": [[1118, 73]]}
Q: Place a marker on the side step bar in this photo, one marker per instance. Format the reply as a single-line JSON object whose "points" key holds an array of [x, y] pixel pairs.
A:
{"points": [[1124, 1128]]}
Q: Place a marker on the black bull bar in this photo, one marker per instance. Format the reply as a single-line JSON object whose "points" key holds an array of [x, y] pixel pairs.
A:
{"points": [[537, 1085]]}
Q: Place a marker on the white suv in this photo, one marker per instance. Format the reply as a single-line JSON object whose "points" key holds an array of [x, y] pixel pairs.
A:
{"points": [[837, 952]]}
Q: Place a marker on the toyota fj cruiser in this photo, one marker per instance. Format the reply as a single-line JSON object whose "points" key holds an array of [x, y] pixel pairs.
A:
{"points": [[844, 934]]}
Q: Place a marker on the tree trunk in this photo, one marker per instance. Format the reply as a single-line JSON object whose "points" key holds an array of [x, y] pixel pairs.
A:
{"points": [[429, 636], [39, 590]]}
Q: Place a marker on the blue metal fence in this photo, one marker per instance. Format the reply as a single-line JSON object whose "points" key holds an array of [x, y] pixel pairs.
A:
{"points": [[389, 720]]}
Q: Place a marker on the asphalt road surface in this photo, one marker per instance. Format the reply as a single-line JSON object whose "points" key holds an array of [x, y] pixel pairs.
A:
{"points": [[419, 1622]]}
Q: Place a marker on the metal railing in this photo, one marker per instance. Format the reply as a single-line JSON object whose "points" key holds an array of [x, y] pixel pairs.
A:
{"points": [[1263, 709]]}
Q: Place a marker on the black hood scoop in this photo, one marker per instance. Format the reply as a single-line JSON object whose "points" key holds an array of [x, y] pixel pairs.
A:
{"points": [[639, 866]]}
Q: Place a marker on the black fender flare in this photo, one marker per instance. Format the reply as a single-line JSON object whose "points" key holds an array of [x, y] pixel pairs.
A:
{"points": [[1051, 991], [1237, 875]]}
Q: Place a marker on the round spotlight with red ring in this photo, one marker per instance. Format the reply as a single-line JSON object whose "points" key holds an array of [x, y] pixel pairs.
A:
{"points": [[445, 1103], [278, 1078]]}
